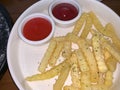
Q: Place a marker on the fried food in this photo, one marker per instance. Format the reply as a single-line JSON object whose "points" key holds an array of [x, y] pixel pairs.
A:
{"points": [[91, 65]]}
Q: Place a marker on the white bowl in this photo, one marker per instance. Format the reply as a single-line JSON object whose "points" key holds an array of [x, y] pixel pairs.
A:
{"points": [[30, 17], [64, 23], [23, 59]]}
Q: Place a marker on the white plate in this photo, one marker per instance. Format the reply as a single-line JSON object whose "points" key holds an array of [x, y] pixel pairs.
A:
{"points": [[23, 59]]}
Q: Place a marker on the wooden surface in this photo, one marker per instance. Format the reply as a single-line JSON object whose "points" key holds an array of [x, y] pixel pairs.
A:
{"points": [[15, 8]]}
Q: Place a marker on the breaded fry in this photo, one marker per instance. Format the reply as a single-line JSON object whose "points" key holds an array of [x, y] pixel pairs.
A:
{"points": [[63, 75], [111, 63], [70, 88], [110, 32], [88, 26], [71, 37], [97, 49], [56, 54], [97, 23], [82, 61], [85, 81], [109, 78], [112, 49], [99, 87], [67, 49], [47, 55], [90, 59], [106, 54], [48, 74], [61, 78], [59, 39], [79, 24], [75, 76]]}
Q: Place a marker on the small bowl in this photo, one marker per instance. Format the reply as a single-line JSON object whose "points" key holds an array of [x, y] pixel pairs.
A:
{"points": [[60, 22], [38, 39]]}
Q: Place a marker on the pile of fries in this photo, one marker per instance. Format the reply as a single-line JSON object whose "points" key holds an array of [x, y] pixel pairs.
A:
{"points": [[90, 56]]}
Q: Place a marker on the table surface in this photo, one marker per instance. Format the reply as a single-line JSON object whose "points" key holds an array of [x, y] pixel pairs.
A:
{"points": [[16, 8]]}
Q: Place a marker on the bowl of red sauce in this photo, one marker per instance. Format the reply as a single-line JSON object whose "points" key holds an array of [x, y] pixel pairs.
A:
{"points": [[64, 12], [36, 29]]}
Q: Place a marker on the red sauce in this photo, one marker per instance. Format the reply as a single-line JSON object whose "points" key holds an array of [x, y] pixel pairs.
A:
{"points": [[65, 11], [37, 29]]}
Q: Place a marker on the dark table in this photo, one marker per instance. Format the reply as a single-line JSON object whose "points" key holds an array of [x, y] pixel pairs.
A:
{"points": [[16, 8]]}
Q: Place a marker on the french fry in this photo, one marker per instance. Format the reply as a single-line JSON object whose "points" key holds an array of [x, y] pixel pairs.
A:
{"points": [[85, 81], [103, 87], [90, 59], [62, 78], [89, 41], [97, 23], [67, 88], [110, 32], [109, 78], [79, 24], [67, 49], [95, 32], [97, 49], [70, 88], [72, 37], [47, 56], [99, 87], [75, 76], [64, 73], [82, 61], [91, 64], [48, 74], [112, 49], [56, 54], [73, 59], [101, 78], [59, 39], [106, 54], [88, 26], [94, 87], [111, 63]]}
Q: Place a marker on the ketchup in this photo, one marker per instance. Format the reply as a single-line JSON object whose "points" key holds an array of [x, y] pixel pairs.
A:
{"points": [[65, 11], [37, 29]]}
